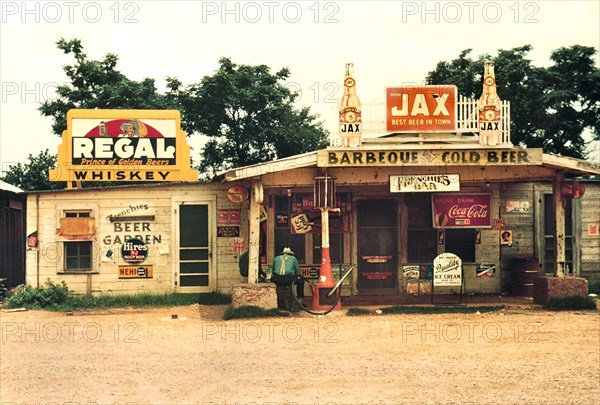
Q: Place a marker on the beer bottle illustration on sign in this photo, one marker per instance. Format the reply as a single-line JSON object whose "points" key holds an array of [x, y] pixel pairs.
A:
{"points": [[350, 115], [490, 132]]}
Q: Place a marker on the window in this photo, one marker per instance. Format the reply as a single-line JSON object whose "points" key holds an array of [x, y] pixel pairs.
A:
{"points": [[422, 238], [78, 214], [461, 242], [78, 256], [78, 226]]}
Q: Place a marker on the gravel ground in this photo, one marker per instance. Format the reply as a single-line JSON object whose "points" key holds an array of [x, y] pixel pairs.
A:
{"points": [[133, 356]]}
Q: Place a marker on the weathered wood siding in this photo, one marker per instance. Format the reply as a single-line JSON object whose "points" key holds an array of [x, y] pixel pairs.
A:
{"points": [[47, 261]]}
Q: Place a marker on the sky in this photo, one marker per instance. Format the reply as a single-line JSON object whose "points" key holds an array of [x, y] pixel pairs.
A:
{"points": [[391, 43]]}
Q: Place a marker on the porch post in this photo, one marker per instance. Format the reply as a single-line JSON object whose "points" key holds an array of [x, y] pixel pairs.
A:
{"points": [[559, 225], [256, 199]]}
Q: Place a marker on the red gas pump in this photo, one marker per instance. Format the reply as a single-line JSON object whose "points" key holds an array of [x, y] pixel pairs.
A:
{"points": [[324, 199]]}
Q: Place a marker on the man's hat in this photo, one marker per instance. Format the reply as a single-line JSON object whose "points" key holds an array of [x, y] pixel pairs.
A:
{"points": [[134, 124], [287, 250]]}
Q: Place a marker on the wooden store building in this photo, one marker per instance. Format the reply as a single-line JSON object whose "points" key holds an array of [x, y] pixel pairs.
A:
{"points": [[429, 181]]}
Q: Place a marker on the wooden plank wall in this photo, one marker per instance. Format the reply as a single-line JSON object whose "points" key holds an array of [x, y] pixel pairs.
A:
{"points": [[156, 233]]}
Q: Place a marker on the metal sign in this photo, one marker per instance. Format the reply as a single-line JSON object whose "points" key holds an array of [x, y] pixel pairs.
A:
{"points": [[405, 183], [123, 145], [572, 189], [136, 272], [447, 270], [134, 250], [461, 210], [421, 109]]}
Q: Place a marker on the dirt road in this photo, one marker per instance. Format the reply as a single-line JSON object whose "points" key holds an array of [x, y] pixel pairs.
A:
{"points": [[133, 356]]}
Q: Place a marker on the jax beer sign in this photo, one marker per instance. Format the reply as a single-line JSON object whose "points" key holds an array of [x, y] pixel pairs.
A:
{"points": [[421, 109], [461, 210], [123, 145]]}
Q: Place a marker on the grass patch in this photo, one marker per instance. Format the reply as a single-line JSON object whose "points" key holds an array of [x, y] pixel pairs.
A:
{"points": [[398, 309], [251, 311], [57, 297], [354, 311], [571, 303]]}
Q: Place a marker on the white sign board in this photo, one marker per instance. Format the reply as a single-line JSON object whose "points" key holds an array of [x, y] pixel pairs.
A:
{"points": [[447, 270], [401, 183]]}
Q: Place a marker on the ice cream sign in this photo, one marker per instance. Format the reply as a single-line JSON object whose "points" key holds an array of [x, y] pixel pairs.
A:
{"points": [[421, 109], [123, 145]]}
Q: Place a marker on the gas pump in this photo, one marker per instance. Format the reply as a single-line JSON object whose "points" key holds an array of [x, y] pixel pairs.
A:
{"points": [[324, 199]]}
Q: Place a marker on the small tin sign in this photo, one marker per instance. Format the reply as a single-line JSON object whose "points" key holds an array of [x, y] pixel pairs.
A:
{"points": [[136, 271]]}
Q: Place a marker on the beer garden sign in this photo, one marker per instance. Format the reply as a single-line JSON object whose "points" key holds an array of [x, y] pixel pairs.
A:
{"points": [[123, 145]]}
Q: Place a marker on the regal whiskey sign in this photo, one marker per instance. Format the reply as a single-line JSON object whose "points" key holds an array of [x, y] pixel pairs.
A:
{"points": [[123, 145]]}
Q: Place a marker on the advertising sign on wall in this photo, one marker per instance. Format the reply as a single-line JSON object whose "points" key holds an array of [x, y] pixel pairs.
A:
{"points": [[421, 109], [136, 271], [461, 210], [134, 251], [123, 145], [447, 270], [404, 183]]}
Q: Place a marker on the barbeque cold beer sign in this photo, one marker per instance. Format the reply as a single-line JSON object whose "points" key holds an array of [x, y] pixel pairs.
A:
{"points": [[123, 145]]}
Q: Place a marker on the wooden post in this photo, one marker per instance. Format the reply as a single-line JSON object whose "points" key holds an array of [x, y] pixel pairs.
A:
{"points": [[256, 199], [559, 225]]}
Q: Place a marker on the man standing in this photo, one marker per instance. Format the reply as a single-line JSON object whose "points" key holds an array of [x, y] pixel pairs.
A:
{"points": [[283, 273]]}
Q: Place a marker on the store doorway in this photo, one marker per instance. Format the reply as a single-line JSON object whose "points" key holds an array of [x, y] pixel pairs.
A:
{"points": [[194, 253], [377, 245]]}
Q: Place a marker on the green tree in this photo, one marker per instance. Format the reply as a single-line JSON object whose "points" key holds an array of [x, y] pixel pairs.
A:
{"points": [[247, 112], [550, 107], [98, 84], [33, 175]]}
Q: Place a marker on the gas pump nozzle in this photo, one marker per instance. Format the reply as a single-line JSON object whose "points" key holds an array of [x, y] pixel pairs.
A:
{"points": [[339, 283]]}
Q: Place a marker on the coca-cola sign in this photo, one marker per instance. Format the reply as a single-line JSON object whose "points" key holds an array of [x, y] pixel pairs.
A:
{"points": [[461, 210]]}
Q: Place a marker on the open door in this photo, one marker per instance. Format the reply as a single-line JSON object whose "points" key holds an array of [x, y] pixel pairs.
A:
{"points": [[377, 246]]}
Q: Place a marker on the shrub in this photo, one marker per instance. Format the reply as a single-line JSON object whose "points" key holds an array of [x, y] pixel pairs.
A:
{"points": [[251, 311], [49, 295], [574, 302], [3, 289], [357, 311], [594, 287], [214, 298]]}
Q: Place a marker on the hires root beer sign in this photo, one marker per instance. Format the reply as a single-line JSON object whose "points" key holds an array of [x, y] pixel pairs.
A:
{"points": [[461, 210], [123, 145], [421, 109]]}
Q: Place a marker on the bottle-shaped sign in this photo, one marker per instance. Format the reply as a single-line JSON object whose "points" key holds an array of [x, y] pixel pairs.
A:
{"points": [[350, 117], [490, 132]]}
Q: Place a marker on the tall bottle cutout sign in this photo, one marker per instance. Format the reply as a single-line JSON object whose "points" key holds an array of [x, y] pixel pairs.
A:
{"points": [[350, 116], [490, 131]]}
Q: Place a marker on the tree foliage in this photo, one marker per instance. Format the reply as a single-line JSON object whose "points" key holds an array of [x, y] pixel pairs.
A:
{"points": [[98, 84], [551, 106], [246, 111], [248, 114], [33, 175]]}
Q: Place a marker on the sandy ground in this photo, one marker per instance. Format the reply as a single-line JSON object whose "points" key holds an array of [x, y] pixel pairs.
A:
{"points": [[130, 356]]}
